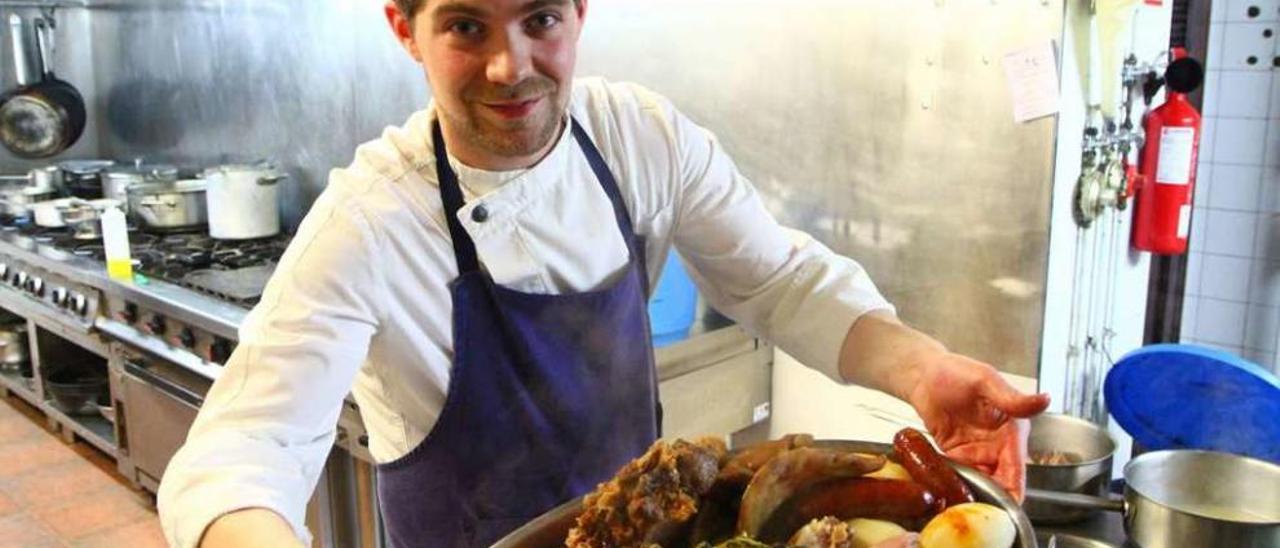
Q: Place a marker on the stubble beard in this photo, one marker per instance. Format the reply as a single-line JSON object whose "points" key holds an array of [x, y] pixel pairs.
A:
{"points": [[514, 139]]}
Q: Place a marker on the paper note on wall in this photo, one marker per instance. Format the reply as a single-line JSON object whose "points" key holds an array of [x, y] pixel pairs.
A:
{"points": [[1032, 74]]}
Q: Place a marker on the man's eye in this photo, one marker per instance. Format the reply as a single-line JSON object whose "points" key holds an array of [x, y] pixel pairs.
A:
{"points": [[466, 28], [544, 21]]}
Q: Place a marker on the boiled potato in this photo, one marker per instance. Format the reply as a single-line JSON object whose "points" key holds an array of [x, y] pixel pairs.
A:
{"points": [[970, 525], [893, 471], [870, 532]]}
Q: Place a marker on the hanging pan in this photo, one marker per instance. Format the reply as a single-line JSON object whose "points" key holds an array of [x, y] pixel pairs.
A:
{"points": [[40, 119]]}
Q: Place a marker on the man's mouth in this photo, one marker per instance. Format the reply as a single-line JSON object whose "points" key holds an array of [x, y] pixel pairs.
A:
{"points": [[514, 110]]}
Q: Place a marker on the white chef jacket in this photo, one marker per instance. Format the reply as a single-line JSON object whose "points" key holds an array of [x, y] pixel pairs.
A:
{"points": [[360, 301]]}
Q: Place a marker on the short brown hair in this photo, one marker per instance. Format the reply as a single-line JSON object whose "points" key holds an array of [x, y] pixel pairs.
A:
{"points": [[410, 7]]}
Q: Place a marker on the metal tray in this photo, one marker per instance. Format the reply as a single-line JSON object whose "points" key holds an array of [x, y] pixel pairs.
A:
{"points": [[550, 529]]}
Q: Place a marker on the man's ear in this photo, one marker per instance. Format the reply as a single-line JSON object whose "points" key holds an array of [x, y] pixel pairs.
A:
{"points": [[402, 27]]}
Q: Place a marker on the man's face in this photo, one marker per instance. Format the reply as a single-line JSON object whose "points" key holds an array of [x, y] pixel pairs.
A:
{"points": [[500, 71]]}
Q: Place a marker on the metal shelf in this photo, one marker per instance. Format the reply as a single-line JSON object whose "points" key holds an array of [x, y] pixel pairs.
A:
{"points": [[23, 387], [94, 429]]}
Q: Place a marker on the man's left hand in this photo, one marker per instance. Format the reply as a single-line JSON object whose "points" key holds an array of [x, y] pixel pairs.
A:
{"points": [[976, 416]]}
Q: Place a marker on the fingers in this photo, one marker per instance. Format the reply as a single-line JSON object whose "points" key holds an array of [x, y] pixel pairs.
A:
{"points": [[1011, 469], [1009, 400]]}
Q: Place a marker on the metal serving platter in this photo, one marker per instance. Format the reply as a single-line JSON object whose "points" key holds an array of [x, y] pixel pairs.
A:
{"points": [[549, 530]]}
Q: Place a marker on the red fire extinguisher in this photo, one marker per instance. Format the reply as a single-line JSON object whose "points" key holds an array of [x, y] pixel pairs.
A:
{"points": [[1167, 167]]}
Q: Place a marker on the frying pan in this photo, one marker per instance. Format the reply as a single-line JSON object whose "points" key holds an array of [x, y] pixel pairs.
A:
{"points": [[42, 119]]}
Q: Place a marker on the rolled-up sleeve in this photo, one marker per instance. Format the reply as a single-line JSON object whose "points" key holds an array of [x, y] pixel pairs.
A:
{"points": [[267, 424], [779, 282]]}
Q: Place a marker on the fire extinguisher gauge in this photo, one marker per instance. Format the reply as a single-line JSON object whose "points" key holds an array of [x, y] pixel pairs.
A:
{"points": [[1184, 75]]}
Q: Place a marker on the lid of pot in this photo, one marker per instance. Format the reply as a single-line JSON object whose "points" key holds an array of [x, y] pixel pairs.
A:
{"points": [[1182, 396], [85, 166], [157, 172]]}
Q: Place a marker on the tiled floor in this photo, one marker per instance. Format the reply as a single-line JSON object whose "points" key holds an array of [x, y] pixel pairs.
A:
{"points": [[58, 495]]}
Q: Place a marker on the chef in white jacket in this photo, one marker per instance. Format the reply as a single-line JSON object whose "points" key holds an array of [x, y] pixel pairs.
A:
{"points": [[476, 279]]}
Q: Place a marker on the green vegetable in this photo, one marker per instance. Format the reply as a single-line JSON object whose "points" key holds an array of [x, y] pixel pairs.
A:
{"points": [[739, 542]]}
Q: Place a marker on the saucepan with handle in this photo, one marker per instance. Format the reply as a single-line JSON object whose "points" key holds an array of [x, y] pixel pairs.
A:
{"points": [[1191, 498]]}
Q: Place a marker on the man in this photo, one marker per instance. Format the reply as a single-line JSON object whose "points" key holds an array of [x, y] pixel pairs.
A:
{"points": [[477, 280]]}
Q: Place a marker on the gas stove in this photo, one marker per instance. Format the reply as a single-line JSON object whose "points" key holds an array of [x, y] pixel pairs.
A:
{"points": [[235, 271]]}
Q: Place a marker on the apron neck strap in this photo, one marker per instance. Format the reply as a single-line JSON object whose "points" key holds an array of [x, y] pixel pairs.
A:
{"points": [[464, 249]]}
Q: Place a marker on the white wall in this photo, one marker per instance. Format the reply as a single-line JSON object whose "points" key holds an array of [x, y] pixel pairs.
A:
{"points": [[1233, 274]]}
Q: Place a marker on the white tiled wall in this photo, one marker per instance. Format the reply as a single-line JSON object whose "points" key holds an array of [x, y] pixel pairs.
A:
{"points": [[1233, 275]]}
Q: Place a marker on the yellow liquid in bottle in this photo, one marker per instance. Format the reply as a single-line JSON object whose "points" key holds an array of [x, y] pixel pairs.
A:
{"points": [[120, 269]]}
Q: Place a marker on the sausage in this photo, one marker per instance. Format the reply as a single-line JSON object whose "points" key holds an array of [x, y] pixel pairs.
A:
{"points": [[930, 469], [899, 501]]}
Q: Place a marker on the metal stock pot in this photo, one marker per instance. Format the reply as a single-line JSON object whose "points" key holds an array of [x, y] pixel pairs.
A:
{"points": [[243, 201], [1192, 498], [173, 206]]}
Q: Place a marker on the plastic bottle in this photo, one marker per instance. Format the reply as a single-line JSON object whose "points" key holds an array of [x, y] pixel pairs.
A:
{"points": [[115, 241]]}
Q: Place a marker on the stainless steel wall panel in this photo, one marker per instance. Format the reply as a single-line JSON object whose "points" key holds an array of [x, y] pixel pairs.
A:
{"points": [[882, 127]]}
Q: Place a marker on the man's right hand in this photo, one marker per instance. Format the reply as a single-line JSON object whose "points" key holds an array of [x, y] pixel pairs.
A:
{"points": [[250, 528]]}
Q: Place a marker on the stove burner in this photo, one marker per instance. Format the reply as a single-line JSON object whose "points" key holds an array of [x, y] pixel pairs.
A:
{"points": [[231, 270]]}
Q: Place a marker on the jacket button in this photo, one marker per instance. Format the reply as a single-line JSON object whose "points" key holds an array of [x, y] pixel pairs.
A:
{"points": [[480, 214]]}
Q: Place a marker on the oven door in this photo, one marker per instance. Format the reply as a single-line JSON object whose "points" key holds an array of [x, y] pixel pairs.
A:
{"points": [[160, 404]]}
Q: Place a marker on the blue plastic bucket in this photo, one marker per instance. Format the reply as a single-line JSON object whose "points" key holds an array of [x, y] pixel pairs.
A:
{"points": [[673, 305]]}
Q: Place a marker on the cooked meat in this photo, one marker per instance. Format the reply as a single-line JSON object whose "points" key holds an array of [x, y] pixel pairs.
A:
{"points": [[737, 472], [652, 496], [793, 471], [827, 532], [1055, 457]]}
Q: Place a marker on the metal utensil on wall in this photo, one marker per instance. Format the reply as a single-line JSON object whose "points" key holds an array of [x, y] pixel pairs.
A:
{"points": [[44, 118]]}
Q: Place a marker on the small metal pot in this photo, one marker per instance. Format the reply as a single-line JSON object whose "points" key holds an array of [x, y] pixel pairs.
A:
{"points": [[1192, 498], [48, 214], [45, 178], [16, 199], [117, 180], [13, 346], [170, 206], [1088, 447], [83, 178], [84, 220]]}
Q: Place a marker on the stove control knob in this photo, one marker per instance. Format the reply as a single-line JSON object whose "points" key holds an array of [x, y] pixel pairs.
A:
{"points": [[37, 286], [20, 280], [130, 313], [187, 338], [220, 350], [79, 304], [4, 271], [60, 296], [156, 324]]}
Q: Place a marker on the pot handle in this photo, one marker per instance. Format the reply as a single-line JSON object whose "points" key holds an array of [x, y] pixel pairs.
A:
{"points": [[269, 180], [17, 31], [44, 46], [1077, 500], [153, 203]]}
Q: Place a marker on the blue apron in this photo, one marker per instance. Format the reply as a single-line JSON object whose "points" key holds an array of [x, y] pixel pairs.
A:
{"points": [[549, 396]]}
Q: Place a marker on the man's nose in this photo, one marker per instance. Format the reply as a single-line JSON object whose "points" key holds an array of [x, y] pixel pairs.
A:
{"points": [[510, 62]]}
